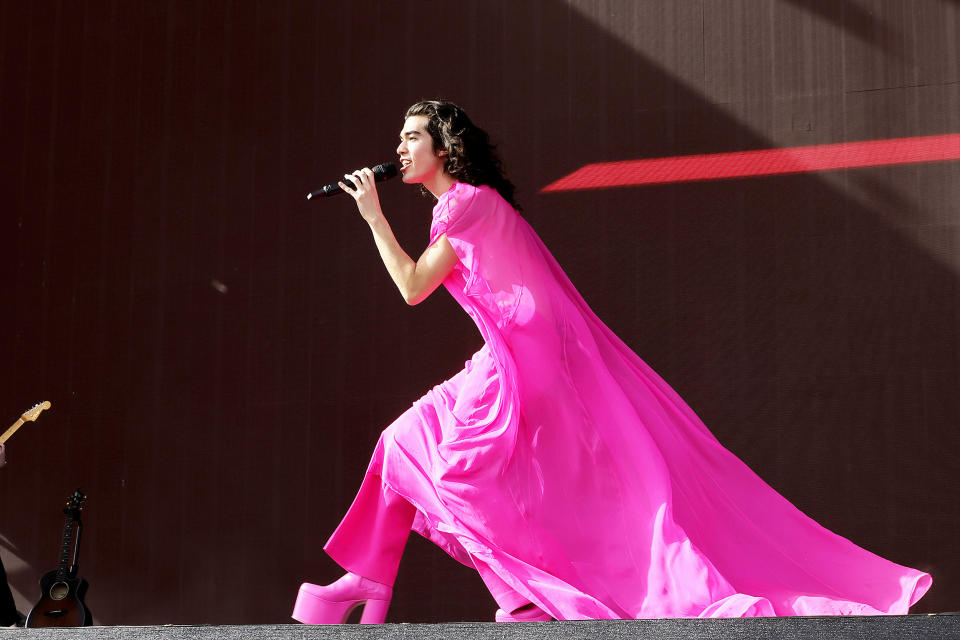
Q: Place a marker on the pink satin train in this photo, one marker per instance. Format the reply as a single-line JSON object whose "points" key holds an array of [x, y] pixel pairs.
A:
{"points": [[570, 475]]}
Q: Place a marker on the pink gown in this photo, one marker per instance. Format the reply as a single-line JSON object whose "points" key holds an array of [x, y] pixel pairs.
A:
{"points": [[563, 468]]}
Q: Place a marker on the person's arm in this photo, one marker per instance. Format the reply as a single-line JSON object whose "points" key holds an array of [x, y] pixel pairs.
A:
{"points": [[415, 280]]}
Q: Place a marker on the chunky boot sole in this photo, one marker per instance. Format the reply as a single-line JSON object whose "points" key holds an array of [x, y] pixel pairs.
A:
{"points": [[312, 608]]}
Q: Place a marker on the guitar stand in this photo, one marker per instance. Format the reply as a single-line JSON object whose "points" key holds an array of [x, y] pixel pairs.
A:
{"points": [[72, 572], [76, 550]]}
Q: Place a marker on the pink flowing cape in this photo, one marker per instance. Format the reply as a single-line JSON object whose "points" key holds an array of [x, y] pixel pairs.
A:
{"points": [[565, 469]]}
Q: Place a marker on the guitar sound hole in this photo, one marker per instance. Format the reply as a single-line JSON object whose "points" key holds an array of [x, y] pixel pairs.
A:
{"points": [[59, 590]]}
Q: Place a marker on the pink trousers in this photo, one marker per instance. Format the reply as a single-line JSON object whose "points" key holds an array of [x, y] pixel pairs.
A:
{"points": [[370, 539]]}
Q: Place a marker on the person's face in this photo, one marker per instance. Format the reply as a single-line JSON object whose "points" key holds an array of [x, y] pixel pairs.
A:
{"points": [[418, 161]]}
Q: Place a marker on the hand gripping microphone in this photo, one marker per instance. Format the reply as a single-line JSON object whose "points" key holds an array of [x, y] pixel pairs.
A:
{"points": [[381, 172]]}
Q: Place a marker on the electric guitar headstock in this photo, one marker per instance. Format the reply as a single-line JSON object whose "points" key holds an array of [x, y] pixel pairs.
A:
{"points": [[28, 416], [34, 412]]}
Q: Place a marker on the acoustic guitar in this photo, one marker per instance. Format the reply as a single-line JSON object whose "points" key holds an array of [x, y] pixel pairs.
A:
{"points": [[61, 604], [28, 416]]}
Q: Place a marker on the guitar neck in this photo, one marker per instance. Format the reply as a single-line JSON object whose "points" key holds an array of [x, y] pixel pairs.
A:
{"points": [[62, 571], [12, 430]]}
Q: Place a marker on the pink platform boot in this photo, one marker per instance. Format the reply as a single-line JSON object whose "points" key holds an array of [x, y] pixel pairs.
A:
{"points": [[332, 604], [528, 613]]}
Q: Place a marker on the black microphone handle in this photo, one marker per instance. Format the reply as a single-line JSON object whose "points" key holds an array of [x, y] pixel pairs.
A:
{"points": [[381, 172], [331, 189]]}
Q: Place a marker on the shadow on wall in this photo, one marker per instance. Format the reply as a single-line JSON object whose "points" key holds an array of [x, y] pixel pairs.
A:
{"points": [[17, 571]]}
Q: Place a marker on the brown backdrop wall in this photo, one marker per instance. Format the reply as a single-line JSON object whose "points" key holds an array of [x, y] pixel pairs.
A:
{"points": [[221, 355]]}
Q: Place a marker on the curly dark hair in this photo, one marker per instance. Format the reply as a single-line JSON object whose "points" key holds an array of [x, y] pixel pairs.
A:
{"points": [[470, 156]]}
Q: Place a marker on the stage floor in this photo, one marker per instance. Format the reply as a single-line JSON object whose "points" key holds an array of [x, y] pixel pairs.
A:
{"points": [[927, 627]]}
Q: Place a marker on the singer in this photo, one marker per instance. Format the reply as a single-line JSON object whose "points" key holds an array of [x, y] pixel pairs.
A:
{"points": [[557, 463]]}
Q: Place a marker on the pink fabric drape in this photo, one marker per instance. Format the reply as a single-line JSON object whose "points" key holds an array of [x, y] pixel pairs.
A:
{"points": [[559, 464]]}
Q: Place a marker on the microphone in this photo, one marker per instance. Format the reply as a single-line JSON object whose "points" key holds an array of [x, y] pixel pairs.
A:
{"points": [[381, 172]]}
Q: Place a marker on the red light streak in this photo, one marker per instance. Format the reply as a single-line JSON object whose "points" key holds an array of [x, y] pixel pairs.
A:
{"points": [[762, 162]]}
